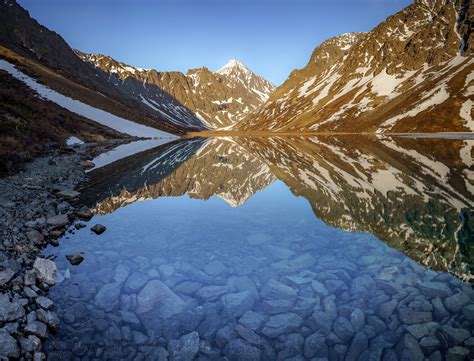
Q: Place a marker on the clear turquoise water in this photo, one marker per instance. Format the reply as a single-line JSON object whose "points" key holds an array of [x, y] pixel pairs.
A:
{"points": [[228, 249]]}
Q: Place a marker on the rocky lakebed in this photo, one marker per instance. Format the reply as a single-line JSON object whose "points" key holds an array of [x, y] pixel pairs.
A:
{"points": [[263, 281]]}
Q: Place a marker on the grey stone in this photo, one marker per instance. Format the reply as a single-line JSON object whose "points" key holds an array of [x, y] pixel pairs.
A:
{"points": [[434, 289], [362, 285], [274, 307], [239, 350], [157, 298], [313, 344], [282, 323], [274, 289], [386, 309], [186, 348], [8, 346], [236, 304], [429, 344], [457, 353], [409, 316], [46, 270], [68, 194], [297, 280], [409, 349], [37, 328], [58, 221], [248, 335], [252, 320], [10, 310], [320, 321], [98, 229], [108, 296], [439, 310], [48, 317], [211, 293], [456, 302], [343, 329], [319, 289], [357, 347], [303, 261], [135, 282], [357, 319], [130, 318], [188, 287], [455, 336], [30, 344], [139, 338], [468, 312], [420, 330], [224, 335], [215, 268], [121, 273], [34, 236], [44, 302]]}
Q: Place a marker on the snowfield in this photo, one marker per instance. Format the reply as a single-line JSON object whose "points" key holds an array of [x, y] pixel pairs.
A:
{"points": [[97, 115]]}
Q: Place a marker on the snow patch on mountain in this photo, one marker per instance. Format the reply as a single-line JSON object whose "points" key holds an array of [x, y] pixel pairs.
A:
{"points": [[97, 115]]}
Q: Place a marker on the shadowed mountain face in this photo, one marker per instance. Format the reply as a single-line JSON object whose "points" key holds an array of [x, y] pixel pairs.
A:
{"points": [[415, 194]]}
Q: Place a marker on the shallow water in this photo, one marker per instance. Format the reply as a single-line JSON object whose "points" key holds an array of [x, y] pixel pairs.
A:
{"points": [[274, 248]]}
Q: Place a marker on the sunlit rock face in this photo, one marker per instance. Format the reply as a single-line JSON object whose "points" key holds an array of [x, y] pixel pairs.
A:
{"points": [[414, 194], [412, 72]]}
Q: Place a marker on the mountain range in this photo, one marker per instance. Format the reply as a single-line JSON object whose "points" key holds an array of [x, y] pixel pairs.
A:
{"points": [[414, 72], [218, 99]]}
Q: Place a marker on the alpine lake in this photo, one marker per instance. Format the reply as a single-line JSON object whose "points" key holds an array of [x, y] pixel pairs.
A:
{"points": [[345, 247]]}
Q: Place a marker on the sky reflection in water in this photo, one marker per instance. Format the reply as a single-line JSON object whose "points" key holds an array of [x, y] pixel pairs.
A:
{"points": [[207, 242]]}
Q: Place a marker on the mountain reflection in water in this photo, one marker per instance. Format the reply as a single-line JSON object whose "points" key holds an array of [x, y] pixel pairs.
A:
{"points": [[414, 194]]}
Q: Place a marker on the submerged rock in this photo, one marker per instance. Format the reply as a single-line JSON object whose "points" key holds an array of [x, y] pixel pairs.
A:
{"points": [[277, 290], [280, 324], [239, 350], [159, 299], [186, 348]]}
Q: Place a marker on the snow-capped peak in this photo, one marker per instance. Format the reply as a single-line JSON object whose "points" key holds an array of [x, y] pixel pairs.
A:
{"points": [[231, 65]]}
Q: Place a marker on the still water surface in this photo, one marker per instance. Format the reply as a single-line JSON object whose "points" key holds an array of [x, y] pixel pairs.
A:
{"points": [[274, 248]]}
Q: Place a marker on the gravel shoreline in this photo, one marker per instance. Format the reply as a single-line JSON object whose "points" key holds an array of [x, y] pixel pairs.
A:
{"points": [[37, 205]]}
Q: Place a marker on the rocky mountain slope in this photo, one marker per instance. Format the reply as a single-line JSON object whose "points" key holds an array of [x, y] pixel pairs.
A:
{"points": [[412, 73], [218, 99], [44, 55]]}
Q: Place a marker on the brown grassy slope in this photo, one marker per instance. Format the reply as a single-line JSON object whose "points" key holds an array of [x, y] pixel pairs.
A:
{"points": [[28, 123], [54, 80]]}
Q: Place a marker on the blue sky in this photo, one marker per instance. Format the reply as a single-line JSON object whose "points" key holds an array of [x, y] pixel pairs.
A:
{"points": [[272, 37]]}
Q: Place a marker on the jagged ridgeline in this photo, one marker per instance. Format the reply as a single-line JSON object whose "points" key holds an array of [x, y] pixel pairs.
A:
{"points": [[412, 73], [218, 99], [171, 101]]}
